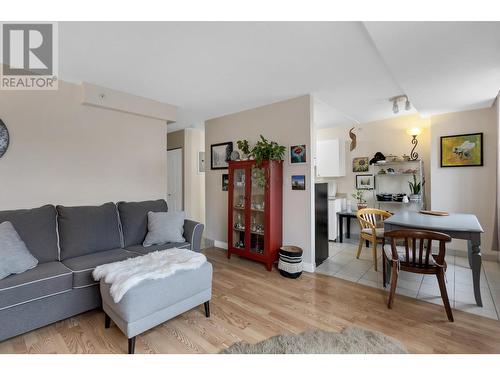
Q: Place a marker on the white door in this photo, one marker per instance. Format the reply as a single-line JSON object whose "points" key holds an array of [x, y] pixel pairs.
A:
{"points": [[174, 180]]}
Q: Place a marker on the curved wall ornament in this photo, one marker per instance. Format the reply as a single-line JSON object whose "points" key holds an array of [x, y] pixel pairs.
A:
{"points": [[352, 135], [4, 138]]}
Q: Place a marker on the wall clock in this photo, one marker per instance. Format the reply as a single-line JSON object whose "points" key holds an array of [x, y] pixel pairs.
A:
{"points": [[4, 138]]}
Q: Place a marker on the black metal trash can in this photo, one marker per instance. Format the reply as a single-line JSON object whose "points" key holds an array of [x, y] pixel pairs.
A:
{"points": [[290, 261]]}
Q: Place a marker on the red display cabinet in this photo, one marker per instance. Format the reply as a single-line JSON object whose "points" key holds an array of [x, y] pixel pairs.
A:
{"points": [[255, 210]]}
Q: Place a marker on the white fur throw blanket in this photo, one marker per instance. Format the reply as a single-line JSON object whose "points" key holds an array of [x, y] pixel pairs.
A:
{"points": [[126, 274]]}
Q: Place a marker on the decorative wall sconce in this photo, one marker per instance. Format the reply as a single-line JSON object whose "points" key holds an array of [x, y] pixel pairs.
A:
{"points": [[414, 132]]}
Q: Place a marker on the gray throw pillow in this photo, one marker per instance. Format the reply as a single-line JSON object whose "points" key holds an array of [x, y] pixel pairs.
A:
{"points": [[165, 227], [14, 255]]}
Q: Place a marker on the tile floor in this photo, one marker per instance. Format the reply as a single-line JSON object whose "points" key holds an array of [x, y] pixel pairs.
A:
{"points": [[342, 263]]}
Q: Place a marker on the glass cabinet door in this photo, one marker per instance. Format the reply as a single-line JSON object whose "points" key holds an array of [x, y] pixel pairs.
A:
{"points": [[257, 209], [239, 222]]}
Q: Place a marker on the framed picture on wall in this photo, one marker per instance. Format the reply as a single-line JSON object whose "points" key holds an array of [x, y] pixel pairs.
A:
{"points": [[360, 164], [365, 182], [220, 155], [225, 182], [298, 154], [201, 162], [299, 182], [463, 150]]}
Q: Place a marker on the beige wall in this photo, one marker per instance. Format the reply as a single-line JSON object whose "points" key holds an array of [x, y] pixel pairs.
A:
{"points": [[288, 123], [64, 152], [466, 189], [194, 182], [387, 136]]}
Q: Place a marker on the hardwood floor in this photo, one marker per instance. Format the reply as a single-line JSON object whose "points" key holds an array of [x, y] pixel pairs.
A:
{"points": [[252, 304]]}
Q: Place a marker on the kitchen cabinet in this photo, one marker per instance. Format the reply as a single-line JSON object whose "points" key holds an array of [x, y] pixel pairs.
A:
{"points": [[331, 158]]}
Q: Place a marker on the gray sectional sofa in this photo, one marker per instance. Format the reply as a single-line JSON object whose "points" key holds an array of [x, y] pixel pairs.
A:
{"points": [[69, 242]]}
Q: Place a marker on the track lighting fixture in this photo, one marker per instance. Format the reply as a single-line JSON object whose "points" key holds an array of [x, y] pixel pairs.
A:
{"points": [[395, 103]]}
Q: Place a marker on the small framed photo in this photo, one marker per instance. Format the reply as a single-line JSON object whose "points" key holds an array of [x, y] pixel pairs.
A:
{"points": [[220, 155], [225, 182], [299, 182], [298, 154], [365, 182], [463, 150], [360, 164], [201, 162]]}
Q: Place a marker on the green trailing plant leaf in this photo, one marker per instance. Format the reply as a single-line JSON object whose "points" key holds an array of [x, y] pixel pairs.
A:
{"points": [[243, 146], [415, 187], [259, 174]]}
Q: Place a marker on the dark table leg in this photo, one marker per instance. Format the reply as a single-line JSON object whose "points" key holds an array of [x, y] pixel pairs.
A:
{"points": [[341, 228], [475, 264], [348, 234]]}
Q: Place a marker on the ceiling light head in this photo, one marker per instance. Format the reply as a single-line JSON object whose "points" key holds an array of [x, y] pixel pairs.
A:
{"points": [[407, 105], [395, 107]]}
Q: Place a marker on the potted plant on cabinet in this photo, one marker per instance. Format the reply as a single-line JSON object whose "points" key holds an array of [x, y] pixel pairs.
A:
{"points": [[415, 189], [359, 196], [263, 150]]}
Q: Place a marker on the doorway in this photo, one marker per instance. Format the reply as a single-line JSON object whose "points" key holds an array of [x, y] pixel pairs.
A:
{"points": [[174, 180]]}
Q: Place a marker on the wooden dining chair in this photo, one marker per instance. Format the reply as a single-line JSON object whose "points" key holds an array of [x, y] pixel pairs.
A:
{"points": [[404, 254], [371, 222]]}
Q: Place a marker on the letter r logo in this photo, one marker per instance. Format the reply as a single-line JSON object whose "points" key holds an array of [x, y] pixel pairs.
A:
{"points": [[27, 49]]}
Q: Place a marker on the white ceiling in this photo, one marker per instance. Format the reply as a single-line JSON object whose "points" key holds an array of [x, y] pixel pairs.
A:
{"points": [[352, 68]]}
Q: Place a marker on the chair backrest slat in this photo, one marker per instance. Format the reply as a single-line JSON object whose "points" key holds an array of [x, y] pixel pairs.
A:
{"points": [[421, 250], [370, 218], [414, 250], [428, 251], [413, 255]]}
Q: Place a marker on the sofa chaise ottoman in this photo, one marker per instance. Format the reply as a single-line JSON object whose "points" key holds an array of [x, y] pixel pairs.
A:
{"points": [[153, 302], [69, 243]]}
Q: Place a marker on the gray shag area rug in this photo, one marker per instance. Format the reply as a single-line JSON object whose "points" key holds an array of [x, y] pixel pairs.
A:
{"points": [[351, 340]]}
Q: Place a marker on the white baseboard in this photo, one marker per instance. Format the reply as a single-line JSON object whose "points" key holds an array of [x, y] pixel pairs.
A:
{"points": [[309, 267], [221, 244]]}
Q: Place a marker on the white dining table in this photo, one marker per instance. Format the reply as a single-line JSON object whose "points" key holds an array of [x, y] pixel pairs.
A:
{"points": [[460, 226]]}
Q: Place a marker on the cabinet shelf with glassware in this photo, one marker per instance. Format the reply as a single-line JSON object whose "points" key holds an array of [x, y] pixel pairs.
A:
{"points": [[396, 179], [255, 203]]}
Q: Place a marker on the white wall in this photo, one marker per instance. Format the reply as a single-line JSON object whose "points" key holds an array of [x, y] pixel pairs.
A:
{"points": [[63, 152], [194, 182], [496, 231], [466, 189], [288, 123], [387, 136]]}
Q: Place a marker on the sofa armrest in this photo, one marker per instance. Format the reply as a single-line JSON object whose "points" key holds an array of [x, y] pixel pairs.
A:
{"points": [[192, 233]]}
